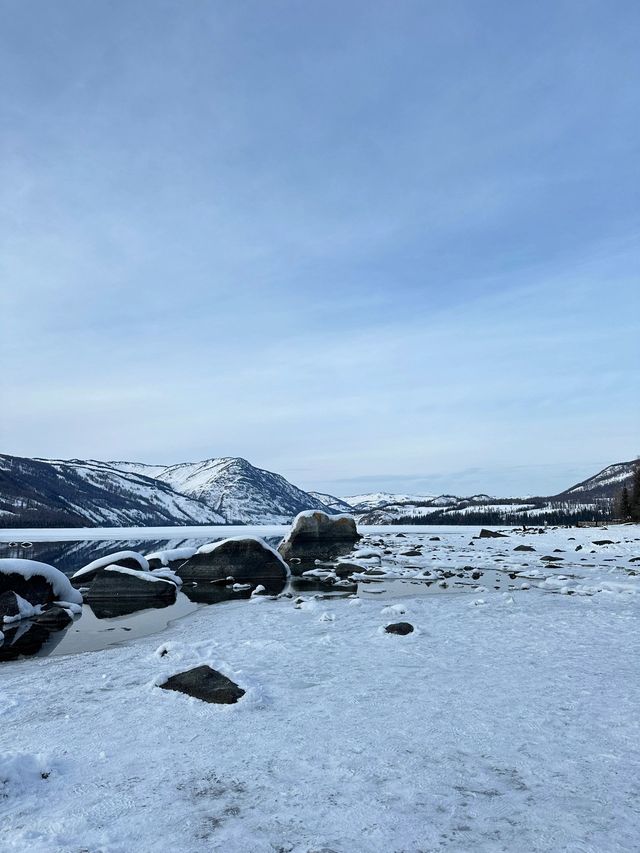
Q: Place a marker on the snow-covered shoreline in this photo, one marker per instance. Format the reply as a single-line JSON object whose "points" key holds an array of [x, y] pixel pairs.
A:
{"points": [[504, 722]]}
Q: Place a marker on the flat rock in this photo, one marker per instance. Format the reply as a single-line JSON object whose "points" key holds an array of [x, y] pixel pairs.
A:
{"points": [[118, 582], [524, 548], [490, 534], [206, 684]]}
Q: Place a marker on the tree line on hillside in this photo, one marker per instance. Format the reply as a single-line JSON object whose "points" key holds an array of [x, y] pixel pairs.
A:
{"points": [[628, 503], [496, 517]]}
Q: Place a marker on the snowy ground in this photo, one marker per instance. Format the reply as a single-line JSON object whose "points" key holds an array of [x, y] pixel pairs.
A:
{"points": [[506, 722]]}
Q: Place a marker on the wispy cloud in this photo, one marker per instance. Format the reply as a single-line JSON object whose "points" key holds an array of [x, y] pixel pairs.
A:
{"points": [[373, 239]]}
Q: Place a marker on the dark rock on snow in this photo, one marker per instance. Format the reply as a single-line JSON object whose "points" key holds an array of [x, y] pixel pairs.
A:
{"points": [[206, 684], [401, 628], [490, 534], [524, 548]]}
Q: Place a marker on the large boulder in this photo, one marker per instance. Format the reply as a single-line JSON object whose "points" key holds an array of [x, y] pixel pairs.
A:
{"points": [[317, 535], [37, 583], [119, 582], [206, 684], [242, 560], [126, 559]]}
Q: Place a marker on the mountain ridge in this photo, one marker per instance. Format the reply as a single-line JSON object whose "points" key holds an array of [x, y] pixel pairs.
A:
{"points": [[230, 490]]}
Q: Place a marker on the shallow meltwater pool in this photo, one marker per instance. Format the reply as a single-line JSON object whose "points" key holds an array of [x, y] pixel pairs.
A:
{"points": [[490, 580], [107, 623], [103, 623]]}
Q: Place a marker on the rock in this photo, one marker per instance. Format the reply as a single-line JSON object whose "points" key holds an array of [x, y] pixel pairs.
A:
{"points": [[401, 628], [345, 570], [551, 559], [414, 552], [56, 618], [8, 605], [126, 559], [246, 560], [119, 582], [603, 542], [206, 684], [434, 539], [37, 583], [524, 548], [490, 534], [318, 533]]}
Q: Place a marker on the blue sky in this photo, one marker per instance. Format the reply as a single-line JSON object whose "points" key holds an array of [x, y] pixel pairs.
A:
{"points": [[370, 245]]}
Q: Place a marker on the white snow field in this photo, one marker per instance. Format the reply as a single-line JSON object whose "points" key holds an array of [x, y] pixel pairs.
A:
{"points": [[504, 722]]}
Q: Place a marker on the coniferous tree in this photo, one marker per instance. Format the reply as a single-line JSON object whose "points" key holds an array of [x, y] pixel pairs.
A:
{"points": [[624, 505], [635, 493]]}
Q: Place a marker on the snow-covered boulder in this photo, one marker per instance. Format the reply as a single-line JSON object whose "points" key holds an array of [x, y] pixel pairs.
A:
{"points": [[126, 559], [243, 559], [37, 583], [120, 582], [318, 533]]}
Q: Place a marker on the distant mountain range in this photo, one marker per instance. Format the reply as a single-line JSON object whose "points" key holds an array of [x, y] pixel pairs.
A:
{"points": [[88, 493]]}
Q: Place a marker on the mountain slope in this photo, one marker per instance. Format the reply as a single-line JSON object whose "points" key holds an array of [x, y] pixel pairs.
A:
{"points": [[605, 484], [237, 490], [71, 493], [331, 501]]}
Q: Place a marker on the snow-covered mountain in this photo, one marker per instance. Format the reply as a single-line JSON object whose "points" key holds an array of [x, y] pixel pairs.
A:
{"points": [[588, 500], [337, 504], [237, 490], [377, 500], [70, 493], [605, 484], [77, 493]]}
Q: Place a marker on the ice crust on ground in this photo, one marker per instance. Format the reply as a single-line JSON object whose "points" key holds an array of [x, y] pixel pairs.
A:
{"points": [[503, 723]]}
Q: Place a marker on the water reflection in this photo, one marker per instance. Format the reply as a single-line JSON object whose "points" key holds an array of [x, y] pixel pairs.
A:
{"points": [[25, 639], [110, 621]]}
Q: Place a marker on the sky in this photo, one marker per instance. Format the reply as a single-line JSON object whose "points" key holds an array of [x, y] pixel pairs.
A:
{"points": [[369, 245]]}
